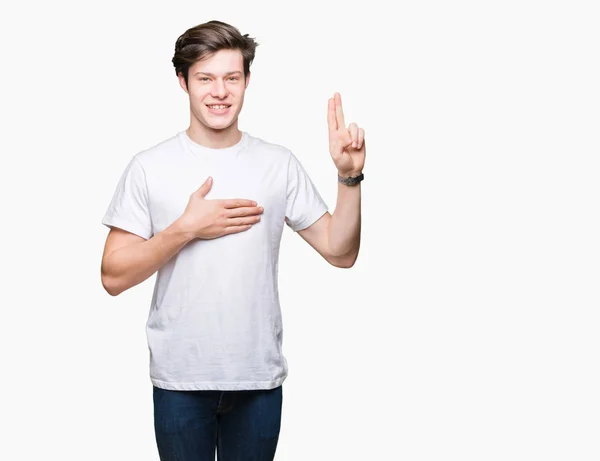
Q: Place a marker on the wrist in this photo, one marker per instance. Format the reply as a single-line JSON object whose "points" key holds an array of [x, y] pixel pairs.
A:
{"points": [[349, 174], [179, 228]]}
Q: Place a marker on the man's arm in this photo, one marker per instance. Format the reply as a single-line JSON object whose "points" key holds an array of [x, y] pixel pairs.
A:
{"points": [[129, 259], [337, 237]]}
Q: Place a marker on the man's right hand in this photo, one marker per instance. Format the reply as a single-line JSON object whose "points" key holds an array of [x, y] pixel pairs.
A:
{"points": [[209, 219]]}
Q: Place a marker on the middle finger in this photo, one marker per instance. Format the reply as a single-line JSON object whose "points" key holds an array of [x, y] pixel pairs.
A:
{"points": [[244, 211], [353, 127]]}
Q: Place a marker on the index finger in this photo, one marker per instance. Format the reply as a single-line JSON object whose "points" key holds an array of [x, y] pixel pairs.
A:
{"points": [[237, 202], [331, 123], [339, 112]]}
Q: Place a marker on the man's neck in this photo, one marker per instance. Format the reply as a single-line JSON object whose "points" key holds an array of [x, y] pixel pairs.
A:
{"points": [[214, 139]]}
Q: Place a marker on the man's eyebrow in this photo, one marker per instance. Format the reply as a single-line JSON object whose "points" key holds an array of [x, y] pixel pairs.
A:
{"points": [[212, 75]]}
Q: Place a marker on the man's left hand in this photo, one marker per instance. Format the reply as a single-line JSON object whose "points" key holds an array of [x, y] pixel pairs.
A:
{"points": [[346, 145]]}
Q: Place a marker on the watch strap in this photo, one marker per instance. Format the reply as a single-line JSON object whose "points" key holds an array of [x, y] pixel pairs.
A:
{"points": [[352, 180]]}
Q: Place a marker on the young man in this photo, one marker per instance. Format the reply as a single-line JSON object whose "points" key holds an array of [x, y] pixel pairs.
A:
{"points": [[206, 209]]}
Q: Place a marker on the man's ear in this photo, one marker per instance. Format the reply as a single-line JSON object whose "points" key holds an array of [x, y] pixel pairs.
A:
{"points": [[247, 79], [182, 82]]}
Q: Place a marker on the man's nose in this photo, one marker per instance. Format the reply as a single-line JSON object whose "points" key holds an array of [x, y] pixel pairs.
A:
{"points": [[219, 88]]}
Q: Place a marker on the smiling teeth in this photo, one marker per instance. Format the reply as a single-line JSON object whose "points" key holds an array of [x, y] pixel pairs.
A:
{"points": [[218, 107]]}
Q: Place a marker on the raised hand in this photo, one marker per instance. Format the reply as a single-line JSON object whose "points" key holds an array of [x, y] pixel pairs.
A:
{"points": [[346, 145], [209, 219]]}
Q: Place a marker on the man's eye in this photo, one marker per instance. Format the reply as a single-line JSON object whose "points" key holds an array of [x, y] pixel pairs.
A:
{"points": [[202, 79]]}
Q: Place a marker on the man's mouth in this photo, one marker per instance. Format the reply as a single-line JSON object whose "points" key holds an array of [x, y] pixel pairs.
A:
{"points": [[218, 109]]}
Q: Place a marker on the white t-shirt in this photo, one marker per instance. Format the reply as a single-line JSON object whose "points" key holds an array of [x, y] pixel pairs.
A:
{"points": [[215, 319]]}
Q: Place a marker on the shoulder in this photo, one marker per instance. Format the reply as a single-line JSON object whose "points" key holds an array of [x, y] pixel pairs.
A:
{"points": [[159, 153], [268, 148]]}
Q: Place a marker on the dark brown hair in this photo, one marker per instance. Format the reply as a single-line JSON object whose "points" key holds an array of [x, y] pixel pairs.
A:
{"points": [[206, 39]]}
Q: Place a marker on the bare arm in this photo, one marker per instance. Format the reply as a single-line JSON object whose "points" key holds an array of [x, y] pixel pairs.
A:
{"points": [[130, 259], [344, 226], [337, 237]]}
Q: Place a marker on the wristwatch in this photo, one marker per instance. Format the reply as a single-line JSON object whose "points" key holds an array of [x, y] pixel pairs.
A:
{"points": [[351, 181]]}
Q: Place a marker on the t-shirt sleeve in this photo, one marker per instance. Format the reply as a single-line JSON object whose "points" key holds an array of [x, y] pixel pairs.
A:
{"points": [[304, 204], [128, 209]]}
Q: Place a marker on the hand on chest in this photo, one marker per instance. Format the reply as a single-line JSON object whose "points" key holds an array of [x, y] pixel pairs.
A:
{"points": [[171, 189]]}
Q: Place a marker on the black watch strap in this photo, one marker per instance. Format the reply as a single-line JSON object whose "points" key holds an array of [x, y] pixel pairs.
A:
{"points": [[351, 181]]}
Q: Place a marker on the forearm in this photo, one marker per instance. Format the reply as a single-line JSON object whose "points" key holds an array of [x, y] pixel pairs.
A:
{"points": [[130, 265], [344, 226]]}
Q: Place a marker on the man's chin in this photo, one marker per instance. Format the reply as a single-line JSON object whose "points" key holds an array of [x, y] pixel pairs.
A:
{"points": [[223, 125]]}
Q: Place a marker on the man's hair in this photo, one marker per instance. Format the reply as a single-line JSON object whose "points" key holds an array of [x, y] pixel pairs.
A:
{"points": [[204, 40]]}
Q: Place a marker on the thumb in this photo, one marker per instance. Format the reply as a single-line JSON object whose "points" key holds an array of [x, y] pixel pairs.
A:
{"points": [[205, 187]]}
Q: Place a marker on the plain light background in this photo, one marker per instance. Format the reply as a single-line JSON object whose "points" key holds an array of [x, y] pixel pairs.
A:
{"points": [[468, 328]]}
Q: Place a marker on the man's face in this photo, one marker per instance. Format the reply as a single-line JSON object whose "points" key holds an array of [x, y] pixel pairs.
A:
{"points": [[217, 80]]}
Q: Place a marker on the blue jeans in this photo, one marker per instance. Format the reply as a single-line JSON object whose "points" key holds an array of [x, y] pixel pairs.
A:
{"points": [[240, 425]]}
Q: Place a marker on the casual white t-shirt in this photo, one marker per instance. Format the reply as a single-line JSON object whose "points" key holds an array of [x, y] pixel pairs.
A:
{"points": [[215, 319]]}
